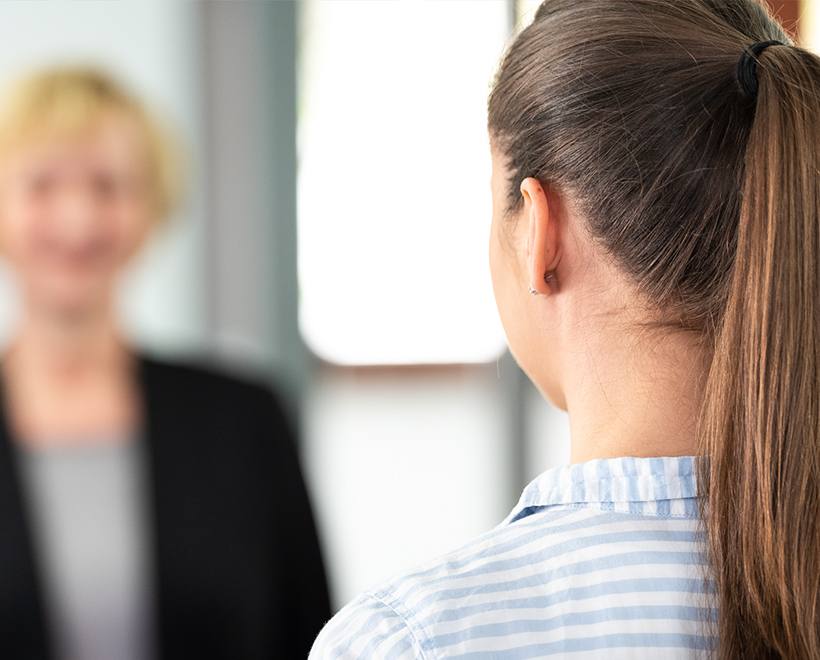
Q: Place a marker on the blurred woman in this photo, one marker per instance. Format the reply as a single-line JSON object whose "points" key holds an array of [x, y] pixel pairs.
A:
{"points": [[146, 509], [655, 254]]}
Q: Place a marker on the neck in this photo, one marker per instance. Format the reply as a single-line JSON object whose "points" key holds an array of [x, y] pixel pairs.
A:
{"points": [[68, 380], [73, 342], [635, 393]]}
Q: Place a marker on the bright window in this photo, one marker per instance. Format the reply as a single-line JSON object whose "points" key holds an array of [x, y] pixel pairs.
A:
{"points": [[394, 202], [810, 25]]}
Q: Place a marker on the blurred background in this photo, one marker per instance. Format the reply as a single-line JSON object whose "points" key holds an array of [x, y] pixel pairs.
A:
{"points": [[326, 246]]}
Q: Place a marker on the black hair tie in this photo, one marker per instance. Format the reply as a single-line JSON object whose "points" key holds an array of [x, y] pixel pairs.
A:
{"points": [[747, 67]]}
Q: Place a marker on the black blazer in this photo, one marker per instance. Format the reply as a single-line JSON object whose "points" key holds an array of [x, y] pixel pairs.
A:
{"points": [[238, 571]]}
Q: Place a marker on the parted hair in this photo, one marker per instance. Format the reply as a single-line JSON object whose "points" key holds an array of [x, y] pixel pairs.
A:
{"points": [[63, 104], [710, 201]]}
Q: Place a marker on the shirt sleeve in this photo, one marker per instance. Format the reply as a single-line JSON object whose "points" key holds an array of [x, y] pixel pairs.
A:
{"points": [[367, 629]]}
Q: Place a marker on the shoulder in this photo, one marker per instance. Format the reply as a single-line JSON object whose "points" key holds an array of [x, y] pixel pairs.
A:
{"points": [[403, 617], [565, 579], [196, 406], [191, 389], [195, 379], [367, 628]]}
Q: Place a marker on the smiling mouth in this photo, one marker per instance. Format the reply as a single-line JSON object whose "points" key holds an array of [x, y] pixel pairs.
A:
{"points": [[76, 256]]}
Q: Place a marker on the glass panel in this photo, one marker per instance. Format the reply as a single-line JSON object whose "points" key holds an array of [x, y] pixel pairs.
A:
{"points": [[394, 200]]}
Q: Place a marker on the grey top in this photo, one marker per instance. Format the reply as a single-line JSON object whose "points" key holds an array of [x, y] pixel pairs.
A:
{"points": [[91, 527]]}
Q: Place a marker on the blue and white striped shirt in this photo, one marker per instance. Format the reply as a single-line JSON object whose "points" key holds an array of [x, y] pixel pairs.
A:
{"points": [[598, 560]]}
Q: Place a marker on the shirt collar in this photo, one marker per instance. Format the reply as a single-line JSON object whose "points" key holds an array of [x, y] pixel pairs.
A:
{"points": [[622, 484]]}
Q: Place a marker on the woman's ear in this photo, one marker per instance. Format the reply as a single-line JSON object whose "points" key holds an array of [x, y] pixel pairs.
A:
{"points": [[543, 218]]}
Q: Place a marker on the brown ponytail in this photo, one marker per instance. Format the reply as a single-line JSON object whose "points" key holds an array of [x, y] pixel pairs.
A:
{"points": [[710, 201], [761, 421]]}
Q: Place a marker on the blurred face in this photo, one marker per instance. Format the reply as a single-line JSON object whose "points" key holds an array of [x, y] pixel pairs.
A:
{"points": [[73, 213]]}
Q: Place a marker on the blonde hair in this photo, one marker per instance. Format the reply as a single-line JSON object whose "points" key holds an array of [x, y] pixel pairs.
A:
{"points": [[56, 105]]}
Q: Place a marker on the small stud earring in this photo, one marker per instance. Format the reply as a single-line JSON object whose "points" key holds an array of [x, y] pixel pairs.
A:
{"points": [[533, 291], [547, 278]]}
